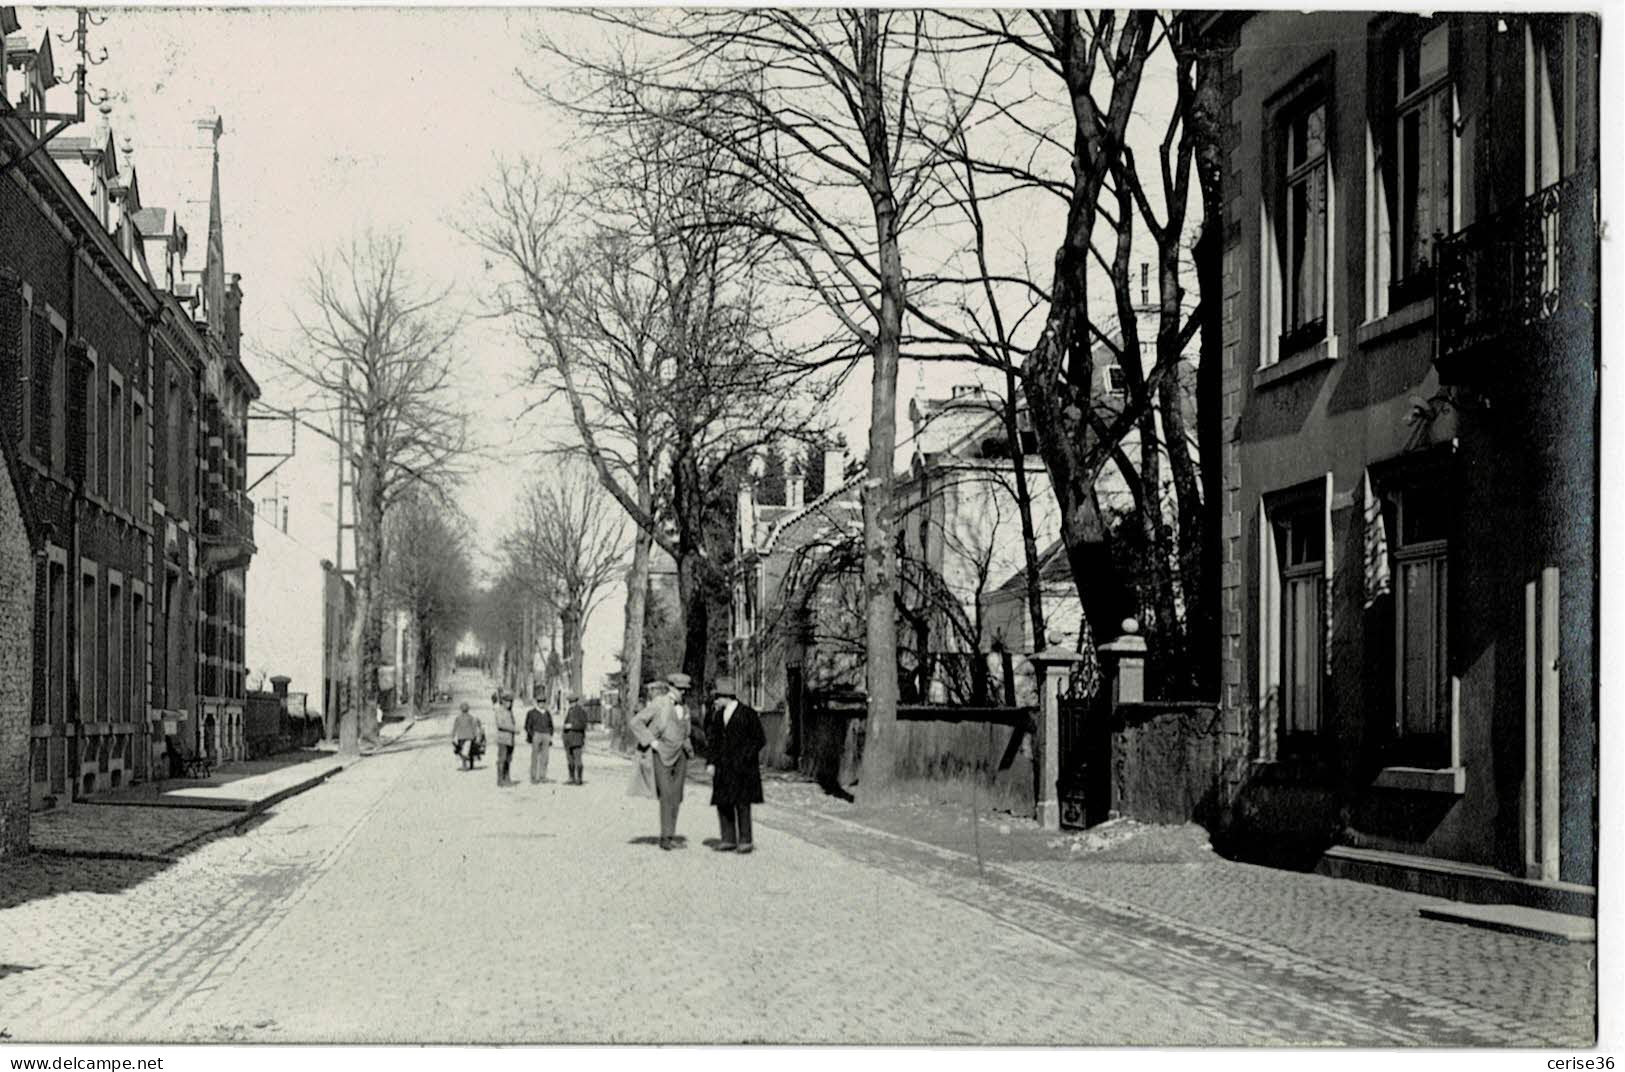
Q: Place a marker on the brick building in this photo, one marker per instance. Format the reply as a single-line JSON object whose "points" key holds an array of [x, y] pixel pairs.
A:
{"points": [[1410, 393], [18, 538], [125, 402]]}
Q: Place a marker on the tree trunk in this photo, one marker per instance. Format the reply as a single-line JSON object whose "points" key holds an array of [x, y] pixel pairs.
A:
{"points": [[637, 593], [880, 548], [1024, 507], [1204, 117], [691, 593], [360, 722], [570, 622]]}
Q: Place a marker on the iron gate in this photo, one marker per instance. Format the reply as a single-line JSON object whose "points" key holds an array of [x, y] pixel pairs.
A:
{"points": [[1083, 778]]}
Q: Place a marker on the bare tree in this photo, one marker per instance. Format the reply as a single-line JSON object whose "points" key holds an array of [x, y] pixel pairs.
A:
{"points": [[810, 109], [427, 573], [571, 531], [649, 322], [378, 347]]}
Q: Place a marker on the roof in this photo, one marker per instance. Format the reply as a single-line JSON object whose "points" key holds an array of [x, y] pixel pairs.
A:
{"points": [[834, 506], [1053, 568]]}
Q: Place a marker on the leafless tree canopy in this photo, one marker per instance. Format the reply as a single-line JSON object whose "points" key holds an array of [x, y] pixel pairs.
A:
{"points": [[378, 349]]}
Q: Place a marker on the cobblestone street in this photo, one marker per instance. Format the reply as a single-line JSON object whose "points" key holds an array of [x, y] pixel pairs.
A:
{"points": [[466, 913]]}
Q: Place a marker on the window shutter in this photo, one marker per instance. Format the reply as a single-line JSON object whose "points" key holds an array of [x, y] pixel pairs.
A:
{"points": [[44, 371], [11, 308]]}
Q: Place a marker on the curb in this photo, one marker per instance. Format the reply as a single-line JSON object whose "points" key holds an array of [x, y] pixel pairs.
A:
{"points": [[239, 817]]}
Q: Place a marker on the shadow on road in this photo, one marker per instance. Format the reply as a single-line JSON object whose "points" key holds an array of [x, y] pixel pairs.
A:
{"points": [[37, 875], [651, 839]]}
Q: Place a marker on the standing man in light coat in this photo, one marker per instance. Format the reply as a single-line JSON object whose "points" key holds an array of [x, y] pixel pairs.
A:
{"points": [[736, 742], [506, 734], [662, 727]]}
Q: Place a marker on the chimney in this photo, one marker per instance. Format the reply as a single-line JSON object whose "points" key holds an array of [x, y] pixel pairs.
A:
{"points": [[279, 686], [793, 485], [234, 309], [834, 464]]}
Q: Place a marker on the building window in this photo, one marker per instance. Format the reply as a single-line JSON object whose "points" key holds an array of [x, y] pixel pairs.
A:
{"points": [[1420, 522], [59, 393], [118, 438], [87, 644], [1301, 550], [117, 690], [1552, 76], [1421, 152], [1116, 382], [1293, 619], [1304, 213], [56, 614], [138, 459], [138, 656], [95, 471]]}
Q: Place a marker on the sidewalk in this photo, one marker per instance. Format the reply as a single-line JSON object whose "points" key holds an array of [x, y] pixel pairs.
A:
{"points": [[157, 821], [1365, 951]]}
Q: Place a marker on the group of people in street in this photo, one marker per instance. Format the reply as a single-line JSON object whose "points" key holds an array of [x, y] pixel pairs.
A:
{"points": [[468, 738], [729, 736]]}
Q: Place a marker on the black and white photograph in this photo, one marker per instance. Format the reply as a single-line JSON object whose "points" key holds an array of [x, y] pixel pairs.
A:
{"points": [[960, 528]]}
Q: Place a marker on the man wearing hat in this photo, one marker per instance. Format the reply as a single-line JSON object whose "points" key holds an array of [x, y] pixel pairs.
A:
{"points": [[539, 732], [575, 736], [662, 727], [506, 733], [736, 743]]}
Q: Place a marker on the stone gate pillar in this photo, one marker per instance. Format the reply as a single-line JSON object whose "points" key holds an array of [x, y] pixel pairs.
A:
{"points": [[1053, 667]]}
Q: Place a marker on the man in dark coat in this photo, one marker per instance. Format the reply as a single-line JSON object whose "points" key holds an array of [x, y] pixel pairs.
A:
{"points": [[575, 737], [736, 740], [539, 732]]}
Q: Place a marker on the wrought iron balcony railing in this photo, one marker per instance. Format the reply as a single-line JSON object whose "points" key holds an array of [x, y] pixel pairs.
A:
{"points": [[230, 516], [1531, 263]]}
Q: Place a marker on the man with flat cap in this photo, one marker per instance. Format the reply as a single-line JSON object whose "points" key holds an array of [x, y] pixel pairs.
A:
{"points": [[736, 743], [662, 729]]}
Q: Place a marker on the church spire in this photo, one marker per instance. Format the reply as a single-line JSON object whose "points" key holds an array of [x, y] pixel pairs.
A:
{"points": [[214, 265]]}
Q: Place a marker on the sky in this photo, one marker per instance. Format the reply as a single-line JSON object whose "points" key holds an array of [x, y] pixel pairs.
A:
{"points": [[338, 120]]}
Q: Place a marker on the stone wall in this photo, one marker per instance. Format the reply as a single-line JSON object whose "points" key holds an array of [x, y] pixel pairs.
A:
{"points": [[1167, 762]]}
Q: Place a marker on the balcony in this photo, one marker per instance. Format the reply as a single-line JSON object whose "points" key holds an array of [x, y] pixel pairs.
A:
{"points": [[1529, 269], [228, 531]]}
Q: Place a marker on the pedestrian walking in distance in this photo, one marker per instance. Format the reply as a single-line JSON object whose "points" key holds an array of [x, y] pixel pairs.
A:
{"points": [[736, 742], [507, 733], [575, 736], [662, 729], [465, 730]]}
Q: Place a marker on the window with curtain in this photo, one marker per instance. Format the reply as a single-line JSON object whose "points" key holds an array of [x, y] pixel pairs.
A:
{"points": [[1304, 222], [1301, 553], [1421, 155], [1421, 637]]}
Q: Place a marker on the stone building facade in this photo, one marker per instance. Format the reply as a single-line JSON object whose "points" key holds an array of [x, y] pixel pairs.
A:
{"points": [[1409, 432]]}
